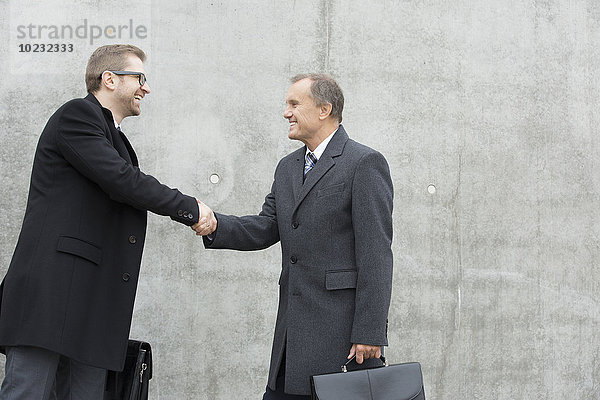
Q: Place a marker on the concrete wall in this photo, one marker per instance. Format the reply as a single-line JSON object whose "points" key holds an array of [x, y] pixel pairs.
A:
{"points": [[494, 103]]}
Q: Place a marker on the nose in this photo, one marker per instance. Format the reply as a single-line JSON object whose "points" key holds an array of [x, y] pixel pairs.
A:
{"points": [[146, 88], [287, 113]]}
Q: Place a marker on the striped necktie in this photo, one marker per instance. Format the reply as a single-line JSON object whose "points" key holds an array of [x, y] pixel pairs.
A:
{"points": [[309, 162]]}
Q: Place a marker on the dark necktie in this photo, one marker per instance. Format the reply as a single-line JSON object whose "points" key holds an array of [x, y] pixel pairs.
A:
{"points": [[309, 162]]}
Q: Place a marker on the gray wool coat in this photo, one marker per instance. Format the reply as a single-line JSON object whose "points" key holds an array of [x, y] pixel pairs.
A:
{"points": [[336, 274]]}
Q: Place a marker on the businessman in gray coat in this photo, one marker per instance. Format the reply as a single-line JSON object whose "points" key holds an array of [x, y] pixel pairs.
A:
{"points": [[331, 207]]}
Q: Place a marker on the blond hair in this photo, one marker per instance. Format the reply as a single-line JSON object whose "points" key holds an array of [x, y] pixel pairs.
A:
{"points": [[106, 58]]}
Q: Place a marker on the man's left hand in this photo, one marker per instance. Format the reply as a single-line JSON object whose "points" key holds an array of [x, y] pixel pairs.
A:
{"points": [[364, 351]]}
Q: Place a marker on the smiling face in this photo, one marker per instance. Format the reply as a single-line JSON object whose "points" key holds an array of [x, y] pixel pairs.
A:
{"points": [[302, 112], [128, 93]]}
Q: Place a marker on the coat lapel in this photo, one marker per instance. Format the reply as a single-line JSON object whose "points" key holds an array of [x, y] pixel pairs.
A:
{"points": [[131, 153], [325, 163], [118, 139], [298, 171]]}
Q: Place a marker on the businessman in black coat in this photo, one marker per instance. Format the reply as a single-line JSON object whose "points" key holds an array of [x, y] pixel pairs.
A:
{"points": [[67, 298]]}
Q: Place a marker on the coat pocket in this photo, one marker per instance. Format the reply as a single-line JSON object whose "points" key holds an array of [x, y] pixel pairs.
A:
{"points": [[329, 190], [341, 279], [80, 248]]}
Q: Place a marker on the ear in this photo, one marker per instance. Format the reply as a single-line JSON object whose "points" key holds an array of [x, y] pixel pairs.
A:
{"points": [[108, 80], [325, 111]]}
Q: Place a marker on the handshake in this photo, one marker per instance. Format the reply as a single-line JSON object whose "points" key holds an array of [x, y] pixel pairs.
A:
{"points": [[207, 223]]}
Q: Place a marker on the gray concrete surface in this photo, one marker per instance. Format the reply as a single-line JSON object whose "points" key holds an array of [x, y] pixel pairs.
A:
{"points": [[495, 103]]}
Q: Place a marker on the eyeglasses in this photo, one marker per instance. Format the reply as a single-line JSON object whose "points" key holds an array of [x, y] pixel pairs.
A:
{"points": [[141, 76]]}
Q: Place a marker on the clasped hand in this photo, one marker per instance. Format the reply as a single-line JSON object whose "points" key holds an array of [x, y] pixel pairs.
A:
{"points": [[207, 223]]}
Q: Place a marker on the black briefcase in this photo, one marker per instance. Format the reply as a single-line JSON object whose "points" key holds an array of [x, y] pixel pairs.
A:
{"points": [[388, 382], [131, 383]]}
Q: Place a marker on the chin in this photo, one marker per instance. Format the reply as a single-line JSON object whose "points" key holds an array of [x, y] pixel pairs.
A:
{"points": [[293, 134]]}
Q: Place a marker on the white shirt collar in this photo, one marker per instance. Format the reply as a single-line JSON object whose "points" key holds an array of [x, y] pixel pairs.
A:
{"points": [[116, 125], [322, 146]]}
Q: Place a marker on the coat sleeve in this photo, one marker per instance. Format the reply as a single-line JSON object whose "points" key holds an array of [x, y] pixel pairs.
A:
{"points": [[82, 142], [250, 232], [372, 203]]}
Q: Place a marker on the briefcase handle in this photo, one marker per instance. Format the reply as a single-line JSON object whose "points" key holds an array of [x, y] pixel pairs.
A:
{"points": [[345, 369]]}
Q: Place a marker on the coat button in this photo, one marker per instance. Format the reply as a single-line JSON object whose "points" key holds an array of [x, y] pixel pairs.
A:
{"points": [[126, 276], [132, 239], [295, 224], [293, 259]]}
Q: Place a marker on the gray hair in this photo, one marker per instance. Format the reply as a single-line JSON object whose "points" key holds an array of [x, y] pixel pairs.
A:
{"points": [[324, 89]]}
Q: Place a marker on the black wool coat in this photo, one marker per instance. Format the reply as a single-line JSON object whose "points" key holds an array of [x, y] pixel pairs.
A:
{"points": [[71, 284]]}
